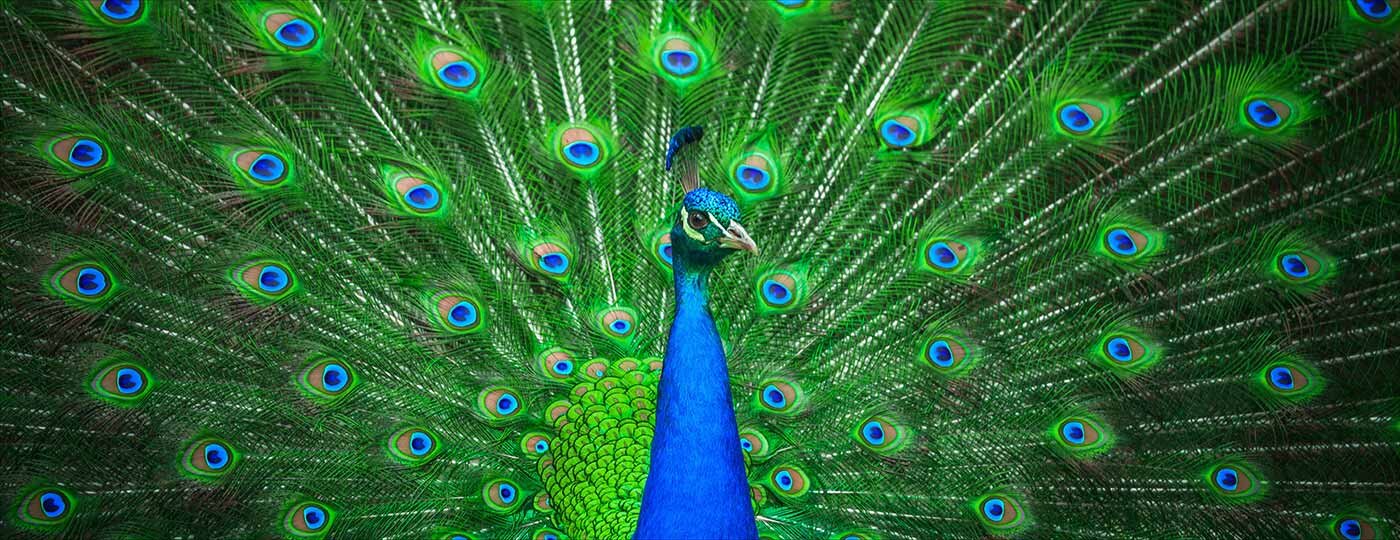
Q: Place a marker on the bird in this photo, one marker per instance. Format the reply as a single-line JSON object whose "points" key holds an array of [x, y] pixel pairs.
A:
{"points": [[778, 269]]}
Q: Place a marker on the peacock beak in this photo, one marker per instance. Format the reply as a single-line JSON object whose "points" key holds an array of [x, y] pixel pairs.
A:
{"points": [[735, 237]]}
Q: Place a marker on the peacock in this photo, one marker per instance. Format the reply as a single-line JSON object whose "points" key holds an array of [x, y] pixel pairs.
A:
{"points": [[779, 269]]}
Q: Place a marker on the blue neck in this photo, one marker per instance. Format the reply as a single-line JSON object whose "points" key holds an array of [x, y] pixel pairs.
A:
{"points": [[697, 486]]}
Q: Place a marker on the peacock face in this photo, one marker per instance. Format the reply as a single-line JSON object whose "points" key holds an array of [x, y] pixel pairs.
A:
{"points": [[707, 227]]}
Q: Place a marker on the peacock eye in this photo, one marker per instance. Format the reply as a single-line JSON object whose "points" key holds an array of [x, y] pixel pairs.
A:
{"points": [[1079, 118], [84, 281], [779, 396], [413, 445], [697, 220], [262, 167], [418, 195], [208, 459], [292, 33], [1353, 528], [499, 404], [788, 481], [551, 258], [265, 280], [1234, 481], [122, 384], [1374, 10], [678, 57], [579, 147], [501, 495], [1298, 266], [46, 507], [80, 153], [534, 444], [557, 364], [1267, 114], [308, 519], [119, 11], [454, 71]]}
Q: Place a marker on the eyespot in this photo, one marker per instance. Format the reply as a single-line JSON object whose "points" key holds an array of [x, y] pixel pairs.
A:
{"points": [[327, 379], [1354, 528], [1266, 114], [534, 444], [119, 11], [557, 363], [1126, 351], [779, 396], [665, 252], [753, 443], [754, 174], [499, 403], [788, 481], [899, 131], [47, 507], [121, 383], [1123, 349], [551, 258], [1081, 436], [418, 196], [880, 435], [86, 282], [291, 32], [1285, 379], [1000, 512], [778, 290], [1079, 118], [546, 533], [1125, 242], [579, 147], [458, 313], [1233, 481], [501, 495], [945, 255], [80, 153], [617, 323], [413, 445], [266, 280], [1298, 266], [948, 354], [678, 57], [309, 519], [1372, 10], [263, 168], [454, 71], [208, 459]]}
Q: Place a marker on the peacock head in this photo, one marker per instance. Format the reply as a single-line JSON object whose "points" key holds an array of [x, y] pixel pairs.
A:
{"points": [[707, 229]]}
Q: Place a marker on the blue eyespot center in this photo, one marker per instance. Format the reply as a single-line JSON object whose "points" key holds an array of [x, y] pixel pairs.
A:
{"points": [[1294, 266], [129, 381], [215, 456], [422, 197], [1375, 9], [314, 517], [1281, 377], [1227, 479], [53, 504], [507, 493], [1119, 350], [334, 378], [506, 404], [746, 445], [620, 326], [776, 293], [1263, 114], [541, 447], [942, 256], [680, 62], [267, 168], [582, 153], [940, 353], [1121, 242], [91, 281], [459, 74], [462, 314], [121, 9], [752, 178], [295, 33], [873, 433], [1073, 432], [1350, 529], [272, 278], [774, 397], [419, 443], [784, 479], [555, 263], [85, 153], [666, 253], [896, 134], [1075, 119], [994, 509], [563, 367]]}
